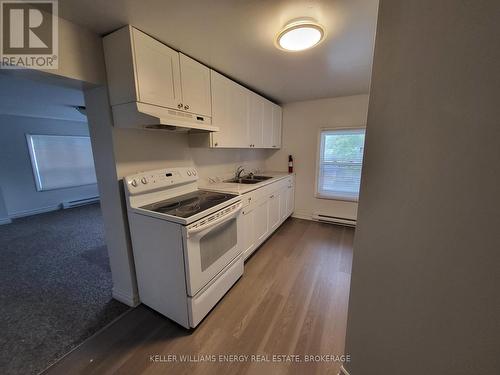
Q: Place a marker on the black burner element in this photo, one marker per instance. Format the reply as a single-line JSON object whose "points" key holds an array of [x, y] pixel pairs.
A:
{"points": [[189, 204]]}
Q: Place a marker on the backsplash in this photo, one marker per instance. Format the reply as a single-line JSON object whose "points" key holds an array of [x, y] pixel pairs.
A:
{"points": [[140, 150]]}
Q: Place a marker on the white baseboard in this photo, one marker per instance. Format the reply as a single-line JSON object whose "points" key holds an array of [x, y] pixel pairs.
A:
{"points": [[79, 202], [126, 298], [6, 220], [36, 211], [324, 218]]}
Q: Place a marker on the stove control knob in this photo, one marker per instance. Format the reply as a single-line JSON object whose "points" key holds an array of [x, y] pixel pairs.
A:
{"points": [[189, 172], [144, 180], [194, 172], [133, 182]]}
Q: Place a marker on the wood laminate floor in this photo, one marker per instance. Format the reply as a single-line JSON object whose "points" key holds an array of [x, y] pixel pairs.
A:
{"points": [[291, 300]]}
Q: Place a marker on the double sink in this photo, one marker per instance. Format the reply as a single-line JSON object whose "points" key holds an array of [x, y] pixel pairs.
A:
{"points": [[249, 179]]}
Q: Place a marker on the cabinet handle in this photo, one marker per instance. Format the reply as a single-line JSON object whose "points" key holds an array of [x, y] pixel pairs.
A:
{"points": [[179, 105], [216, 144], [186, 107]]}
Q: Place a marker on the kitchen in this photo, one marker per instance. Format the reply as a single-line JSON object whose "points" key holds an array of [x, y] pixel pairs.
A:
{"points": [[230, 159]]}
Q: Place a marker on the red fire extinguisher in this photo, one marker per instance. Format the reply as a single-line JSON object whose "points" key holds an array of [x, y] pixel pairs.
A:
{"points": [[290, 164]]}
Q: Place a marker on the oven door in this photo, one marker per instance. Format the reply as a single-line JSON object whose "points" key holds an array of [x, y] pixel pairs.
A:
{"points": [[210, 245]]}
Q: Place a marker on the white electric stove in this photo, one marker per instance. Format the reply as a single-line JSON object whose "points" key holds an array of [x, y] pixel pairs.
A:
{"points": [[185, 242]]}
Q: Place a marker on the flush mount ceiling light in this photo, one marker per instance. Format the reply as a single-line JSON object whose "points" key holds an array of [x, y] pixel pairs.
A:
{"points": [[300, 35]]}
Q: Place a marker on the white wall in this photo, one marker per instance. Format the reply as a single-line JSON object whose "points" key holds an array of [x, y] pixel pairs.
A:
{"points": [[112, 203], [80, 56], [425, 283], [301, 124], [138, 150]]}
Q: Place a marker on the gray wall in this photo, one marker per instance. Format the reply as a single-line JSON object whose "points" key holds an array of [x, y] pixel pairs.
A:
{"points": [[36, 107], [4, 215], [17, 182], [425, 293]]}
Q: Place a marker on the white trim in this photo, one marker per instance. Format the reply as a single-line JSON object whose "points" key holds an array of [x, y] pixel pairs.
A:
{"points": [[336, 198], [6, 220], [128, 299], [35, 211], [318, 151], [343, 371], [79, 202]]}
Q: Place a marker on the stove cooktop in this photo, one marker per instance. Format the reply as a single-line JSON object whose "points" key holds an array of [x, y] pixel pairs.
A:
{"points": [[190, 204]]}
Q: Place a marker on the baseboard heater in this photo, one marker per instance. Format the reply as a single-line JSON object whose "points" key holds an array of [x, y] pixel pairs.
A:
{"points": [[79, 202], [334, 220]]}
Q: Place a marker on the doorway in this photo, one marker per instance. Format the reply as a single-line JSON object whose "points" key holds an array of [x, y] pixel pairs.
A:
{"points": [[55, 278]]}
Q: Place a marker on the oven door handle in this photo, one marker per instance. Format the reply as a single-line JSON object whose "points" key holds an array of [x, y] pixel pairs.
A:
{"points": [[215, 222]]}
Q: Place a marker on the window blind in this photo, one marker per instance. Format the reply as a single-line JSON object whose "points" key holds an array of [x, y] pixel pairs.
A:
{"points": [[340, 162], [61, 161]]}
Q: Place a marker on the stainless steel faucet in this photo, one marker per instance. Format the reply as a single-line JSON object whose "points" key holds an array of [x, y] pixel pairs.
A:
{"points": [[239, 171]]}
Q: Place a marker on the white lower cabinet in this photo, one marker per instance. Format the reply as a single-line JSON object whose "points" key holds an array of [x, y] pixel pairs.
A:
{"points": [[248, 230], [290, 199], [261, 223], [283, 207], [265, 209], [274, 210]]}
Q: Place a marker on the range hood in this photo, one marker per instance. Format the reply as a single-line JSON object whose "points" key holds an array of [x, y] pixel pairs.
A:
{"points": [[140, 115]]}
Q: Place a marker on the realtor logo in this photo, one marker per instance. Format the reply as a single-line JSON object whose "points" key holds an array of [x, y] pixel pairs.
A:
{"points": [[29, 34]]}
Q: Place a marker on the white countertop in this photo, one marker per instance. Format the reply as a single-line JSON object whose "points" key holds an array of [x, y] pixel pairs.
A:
{"points": [[235, 188]]}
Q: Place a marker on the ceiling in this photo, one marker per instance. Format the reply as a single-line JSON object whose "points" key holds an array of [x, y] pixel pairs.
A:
{"points": [[236, 37]]}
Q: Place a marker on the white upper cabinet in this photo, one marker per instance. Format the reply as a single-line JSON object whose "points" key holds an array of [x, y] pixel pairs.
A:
{"points": [[195, 81], [277, 120], [229, 112], [146, 76], [157, 69], [255, 120], [245, 119], [267, 127], [142, 69]]}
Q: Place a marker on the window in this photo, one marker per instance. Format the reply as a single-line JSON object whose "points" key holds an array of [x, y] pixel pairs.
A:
{"points": [[339, 166], [61, 161]]}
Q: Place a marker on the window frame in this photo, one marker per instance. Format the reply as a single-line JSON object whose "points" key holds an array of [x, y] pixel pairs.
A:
{"points": [[317, 194]]}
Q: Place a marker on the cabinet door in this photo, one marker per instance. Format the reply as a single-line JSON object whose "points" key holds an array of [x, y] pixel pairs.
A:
{"points": [[283, 199], [277, 120], [195, 82], [255, 120], [267, 125], [247, 231], [157, 71], [229, 112], [274, 211], [261, 221], [290, 200]]}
